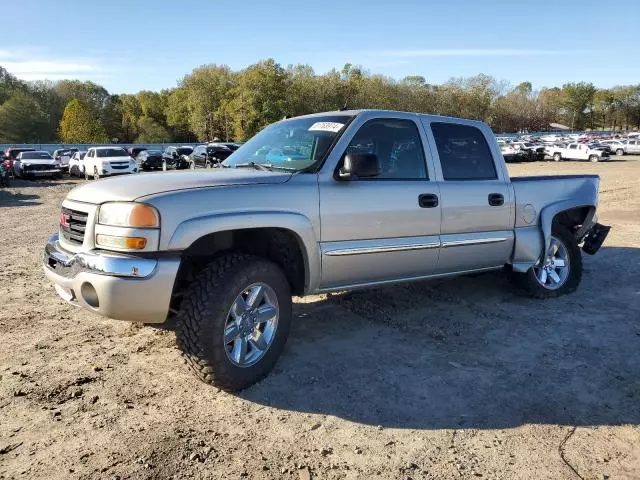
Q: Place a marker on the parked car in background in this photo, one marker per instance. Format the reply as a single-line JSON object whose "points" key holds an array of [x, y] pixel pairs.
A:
{"points": [[284, 154], [108, 161], [577, 151], [36, 164], [509, 153], [207, 156], [149, 159], [64, 155], [617, 146], [400, 197], [10, 155], [134, 151], [530, 152], [632, 146], [76, 164], [173, 157], [600, 146]]}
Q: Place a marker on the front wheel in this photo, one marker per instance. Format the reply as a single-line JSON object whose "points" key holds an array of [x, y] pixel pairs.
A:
{"points": [[558, 271], [594, 158], [557, 157], [234, 320], [96, 175], [620, 152]]}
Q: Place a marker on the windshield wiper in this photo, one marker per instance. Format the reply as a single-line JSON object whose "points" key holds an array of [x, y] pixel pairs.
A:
{"points": [[255, 166]]}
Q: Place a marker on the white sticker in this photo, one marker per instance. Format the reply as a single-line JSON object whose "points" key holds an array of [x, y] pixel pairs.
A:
{"points": [[326, 127]]}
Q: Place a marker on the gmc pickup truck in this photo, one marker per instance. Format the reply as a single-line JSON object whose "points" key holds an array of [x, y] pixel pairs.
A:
{"points": [[576, 151], [369, 198]]}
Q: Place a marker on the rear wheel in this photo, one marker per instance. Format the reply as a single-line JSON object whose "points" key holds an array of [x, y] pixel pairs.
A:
{"points": [[192, 165], [557, 157], [86, 174], [594, 158], [234, 320], [558, 271]]}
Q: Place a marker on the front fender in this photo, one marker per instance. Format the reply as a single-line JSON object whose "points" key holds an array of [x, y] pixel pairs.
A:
{"points": [[191, 230]]}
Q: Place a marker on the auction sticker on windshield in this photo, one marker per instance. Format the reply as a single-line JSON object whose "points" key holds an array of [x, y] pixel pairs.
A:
{"points": [[326, 127]]}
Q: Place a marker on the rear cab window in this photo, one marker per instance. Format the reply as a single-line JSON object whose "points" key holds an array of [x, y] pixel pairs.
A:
{"points": [[464, 152]]}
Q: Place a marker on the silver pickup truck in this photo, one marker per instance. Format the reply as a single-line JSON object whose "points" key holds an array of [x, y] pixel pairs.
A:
{"points": [[325, 202]]}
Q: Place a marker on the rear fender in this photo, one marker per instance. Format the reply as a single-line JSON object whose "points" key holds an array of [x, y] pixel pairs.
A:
{"points": [[530, 242]]}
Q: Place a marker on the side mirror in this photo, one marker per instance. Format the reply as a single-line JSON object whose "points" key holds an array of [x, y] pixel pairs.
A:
{"points": [[356, 166]]}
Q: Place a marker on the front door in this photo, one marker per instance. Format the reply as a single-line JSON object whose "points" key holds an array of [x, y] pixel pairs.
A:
{"points": [[477, 205], [387, 227]]}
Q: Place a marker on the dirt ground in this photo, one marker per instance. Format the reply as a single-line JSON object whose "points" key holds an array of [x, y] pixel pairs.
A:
{"points": [[460, 378]]}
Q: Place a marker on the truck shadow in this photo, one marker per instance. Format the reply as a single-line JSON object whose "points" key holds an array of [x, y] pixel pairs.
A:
{"points": [[9, 198], [468, 352]]}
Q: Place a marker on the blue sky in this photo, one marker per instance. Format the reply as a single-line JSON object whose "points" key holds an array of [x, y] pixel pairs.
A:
{"points": [[129, 45]]}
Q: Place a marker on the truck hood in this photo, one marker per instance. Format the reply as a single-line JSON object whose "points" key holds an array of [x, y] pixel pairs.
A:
{"points": [[131, 187]]}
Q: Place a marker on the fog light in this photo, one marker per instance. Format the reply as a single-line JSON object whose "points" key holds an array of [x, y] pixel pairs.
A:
{"points": [[89, 295], [133, 243]]}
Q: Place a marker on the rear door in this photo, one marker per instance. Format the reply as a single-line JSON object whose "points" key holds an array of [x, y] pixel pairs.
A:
{"points": [[633, 146], [476, 231]]}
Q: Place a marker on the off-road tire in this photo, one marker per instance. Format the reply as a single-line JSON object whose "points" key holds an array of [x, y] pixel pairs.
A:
{"points": [[528, 283], [203, 314]]}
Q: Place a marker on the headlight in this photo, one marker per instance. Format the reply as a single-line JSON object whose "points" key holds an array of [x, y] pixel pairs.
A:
{"points": [[134, 215]]}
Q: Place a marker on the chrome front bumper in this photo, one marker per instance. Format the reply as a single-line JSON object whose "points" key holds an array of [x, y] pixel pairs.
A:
{"points": [[118, 286]]}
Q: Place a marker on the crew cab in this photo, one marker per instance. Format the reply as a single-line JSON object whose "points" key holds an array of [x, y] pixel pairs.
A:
{"points": [[576, 151], [108, 161], [371, 198]]}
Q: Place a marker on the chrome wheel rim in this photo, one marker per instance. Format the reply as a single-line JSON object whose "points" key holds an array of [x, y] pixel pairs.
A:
{"points": [[553, 270], [251, 325]]}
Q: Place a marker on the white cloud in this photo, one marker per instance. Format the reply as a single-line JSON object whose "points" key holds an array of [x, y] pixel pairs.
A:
{"points": [[470, 52], [32, 65]]}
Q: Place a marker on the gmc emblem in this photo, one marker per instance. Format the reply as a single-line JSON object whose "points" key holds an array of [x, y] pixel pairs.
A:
{"points": [[64, 220]]}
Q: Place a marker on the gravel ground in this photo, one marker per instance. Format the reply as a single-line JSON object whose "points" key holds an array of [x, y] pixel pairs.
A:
{"points": [[448, 379]]}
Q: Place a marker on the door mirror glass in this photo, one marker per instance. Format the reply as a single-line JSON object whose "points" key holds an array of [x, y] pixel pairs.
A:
{"points": [[364, 165]]}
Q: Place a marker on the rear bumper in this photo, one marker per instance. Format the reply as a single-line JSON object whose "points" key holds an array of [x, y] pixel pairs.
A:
{"points": [[122, 287]]}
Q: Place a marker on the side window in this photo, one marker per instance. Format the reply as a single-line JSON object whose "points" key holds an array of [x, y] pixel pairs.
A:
{"points": [[397, 145], [573, 147], [464, 152]]}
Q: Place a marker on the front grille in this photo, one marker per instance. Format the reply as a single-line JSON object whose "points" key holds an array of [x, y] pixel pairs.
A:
{"points": [[77, 224], [37, 167], [119, 165]]}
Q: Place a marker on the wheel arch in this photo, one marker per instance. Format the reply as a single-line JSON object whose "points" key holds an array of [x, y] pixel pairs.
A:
{"points": [[531, 241], [288, 239]]}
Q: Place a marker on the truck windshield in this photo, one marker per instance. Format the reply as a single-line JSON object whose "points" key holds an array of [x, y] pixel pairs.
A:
{"points": [[294, 145]]}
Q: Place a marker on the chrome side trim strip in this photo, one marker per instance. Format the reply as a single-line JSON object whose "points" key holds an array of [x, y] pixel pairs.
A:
{"points": [[382, 249], [473, 241], [357, 286]]}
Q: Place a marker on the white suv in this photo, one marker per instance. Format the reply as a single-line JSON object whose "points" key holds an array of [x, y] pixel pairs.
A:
{"points": [[107, 161]]}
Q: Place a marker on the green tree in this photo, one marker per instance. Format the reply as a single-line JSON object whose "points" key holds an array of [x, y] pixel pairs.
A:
{"points": [[577, 99], [259, 98], [22, 120], [79, 125], [151, 132]]}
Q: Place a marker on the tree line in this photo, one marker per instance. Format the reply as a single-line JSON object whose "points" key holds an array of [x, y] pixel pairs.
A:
{"points": [[215, 102]]}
